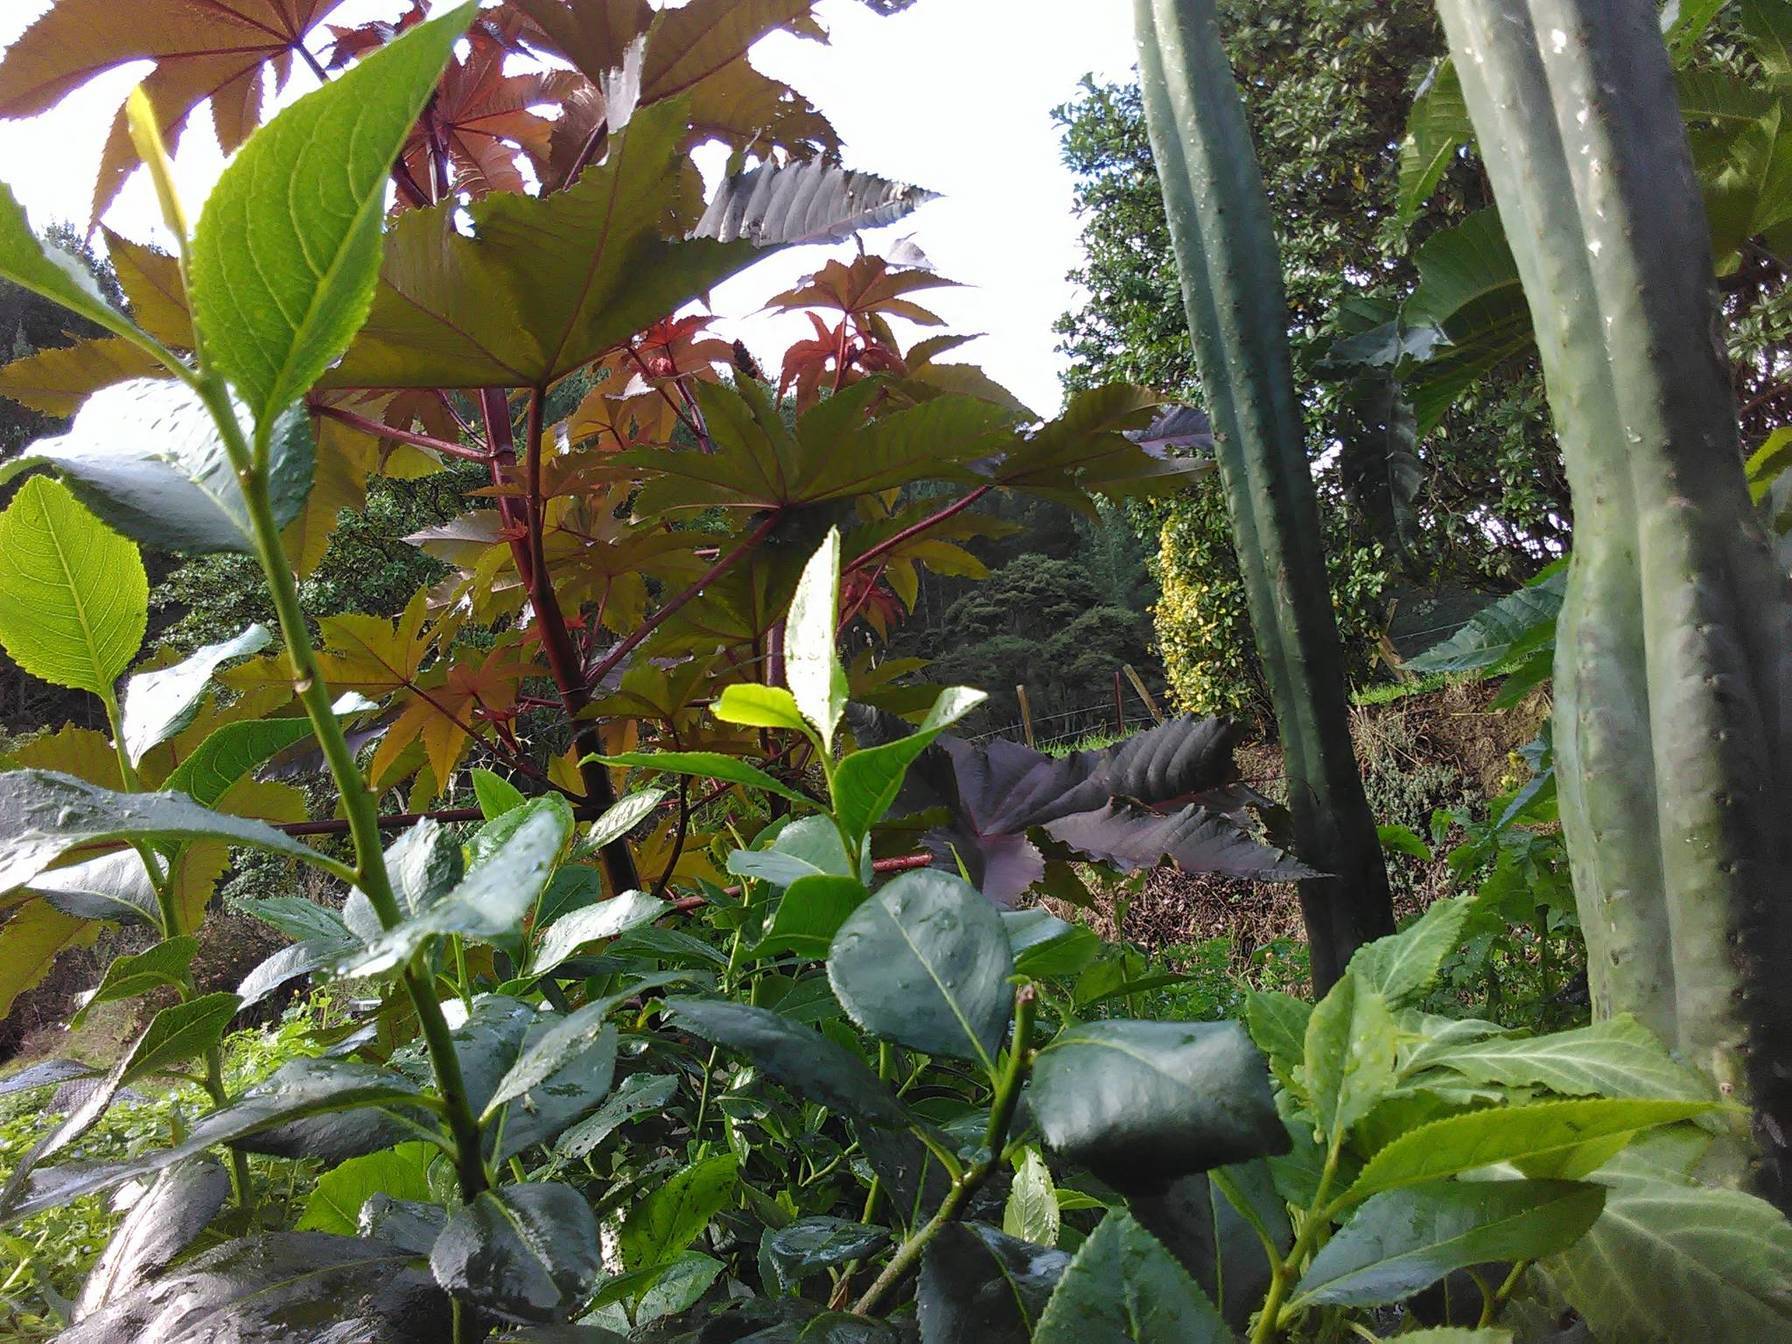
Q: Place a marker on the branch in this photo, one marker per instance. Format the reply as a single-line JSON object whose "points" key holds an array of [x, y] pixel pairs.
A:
{"points": [[377, 430], [883, 548]]}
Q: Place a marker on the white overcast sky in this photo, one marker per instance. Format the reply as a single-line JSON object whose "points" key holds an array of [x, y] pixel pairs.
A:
{"points": [[955, 95]]}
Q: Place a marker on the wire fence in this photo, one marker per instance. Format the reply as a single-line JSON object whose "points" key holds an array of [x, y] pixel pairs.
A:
{"points": [[1071, 726]]}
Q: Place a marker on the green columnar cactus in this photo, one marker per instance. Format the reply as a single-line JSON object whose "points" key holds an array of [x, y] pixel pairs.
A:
{"points": [[1674, 651], [1237, 311]]}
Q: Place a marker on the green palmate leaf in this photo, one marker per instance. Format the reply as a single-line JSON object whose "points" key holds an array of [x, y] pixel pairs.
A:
{"points": [[660, 1227], [926, 963], [1123, 1285], [528, 1252], [286, 255], [806, 1062], [809, 914], [44, 814], [1403, 966], [708, 765], [161, 1224], [159, 704], [1619, 1057], [164, 964], [115, 887], [146, 457], [493, 897], [231, 752], [811, 658], [580, 1037], [1142, 1103], [336, 1200], [56, 381], [495, 795], [758, 706], [543, 283], [1513, 625], [1469, 290], [1349, 1054], [26, 260], [1769, 29], [1517, 1134], [606, 919], [178, 1033], [866, 782], [1665, 1253], [984, 1285], [1405, 1240], [74, 598], [637, 1094]]}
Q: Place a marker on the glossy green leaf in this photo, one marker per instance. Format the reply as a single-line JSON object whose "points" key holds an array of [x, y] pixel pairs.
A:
{"points": [[637, 1094], [44, 814], [159, 704], [1350, 1051], [528, 1252], [496, 833], [1618, 1057], [1123, 1285], [288, 964], [113, 887], [334, 1204], [620, 818], [1141, 1103], [1437, 128], [806, 1062], [581, 1038], [495, 794], [1215, 1225], [262, 1287], [180, 1032], [866, 782], [1405, 1240], [1515, 1134], [490, 901], [816, 1242], [811, 656], [672, 1215], [231, 752], [287, 252], [299, 1088], [1665, 1253], [926, 963], [1403, 966], [1031, 1213], [708, 765], [161, 1224], [74, 598], [756, 706], [660, 1291], [27, 260], [164, 964], [809, 915], [606, 919], [146, 457], [1047, 947], [984, 1285]]}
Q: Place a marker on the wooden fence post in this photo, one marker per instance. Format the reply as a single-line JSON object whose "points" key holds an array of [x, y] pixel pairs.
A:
{"points": [[1119, 704], [1026, 713], [1138, 684]]}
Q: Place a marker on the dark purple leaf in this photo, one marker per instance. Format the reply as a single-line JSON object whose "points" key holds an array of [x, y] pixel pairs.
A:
{"points": [[1194, 839]]}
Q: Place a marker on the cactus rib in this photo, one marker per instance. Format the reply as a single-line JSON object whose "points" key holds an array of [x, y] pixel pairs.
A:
{"points": [[1674, 649], [1237, 311]]}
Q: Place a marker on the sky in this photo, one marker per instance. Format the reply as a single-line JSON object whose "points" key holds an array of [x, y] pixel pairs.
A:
{"points": [[953, 95]]}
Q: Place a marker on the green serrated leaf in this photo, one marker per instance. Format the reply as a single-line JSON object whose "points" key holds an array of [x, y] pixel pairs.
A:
{"points": [[287, 253], [809, 914], [757, 706], [669, 1219], [866, 782], [159, 704], [811, 656], [1123, 1284], [1349, 1055], [335, 1202], [495, 794], [26, 260], [606, 919], [580, 1037], [74, 597], [529, 1252], [164, 964], [178, 1033], [231, 752], [1403, 966]]}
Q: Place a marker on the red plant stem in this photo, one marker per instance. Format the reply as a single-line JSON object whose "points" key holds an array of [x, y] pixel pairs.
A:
{"points": [[380, 431], [883, 548], [641, 364], [523, 525], [902, 863], [615, 656]]}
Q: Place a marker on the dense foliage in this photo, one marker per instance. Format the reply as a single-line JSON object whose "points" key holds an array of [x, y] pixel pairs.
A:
{"points": [[749, 1000]]}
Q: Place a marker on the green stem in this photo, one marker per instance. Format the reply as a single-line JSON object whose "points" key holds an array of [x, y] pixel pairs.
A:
{"points": [[1490, 1306], [1284, 1270], [358, 802], [995, 1139]]}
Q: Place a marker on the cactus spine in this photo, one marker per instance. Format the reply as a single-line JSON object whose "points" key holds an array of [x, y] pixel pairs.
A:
{"points": [[1674, 650], [1237, 313]]}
